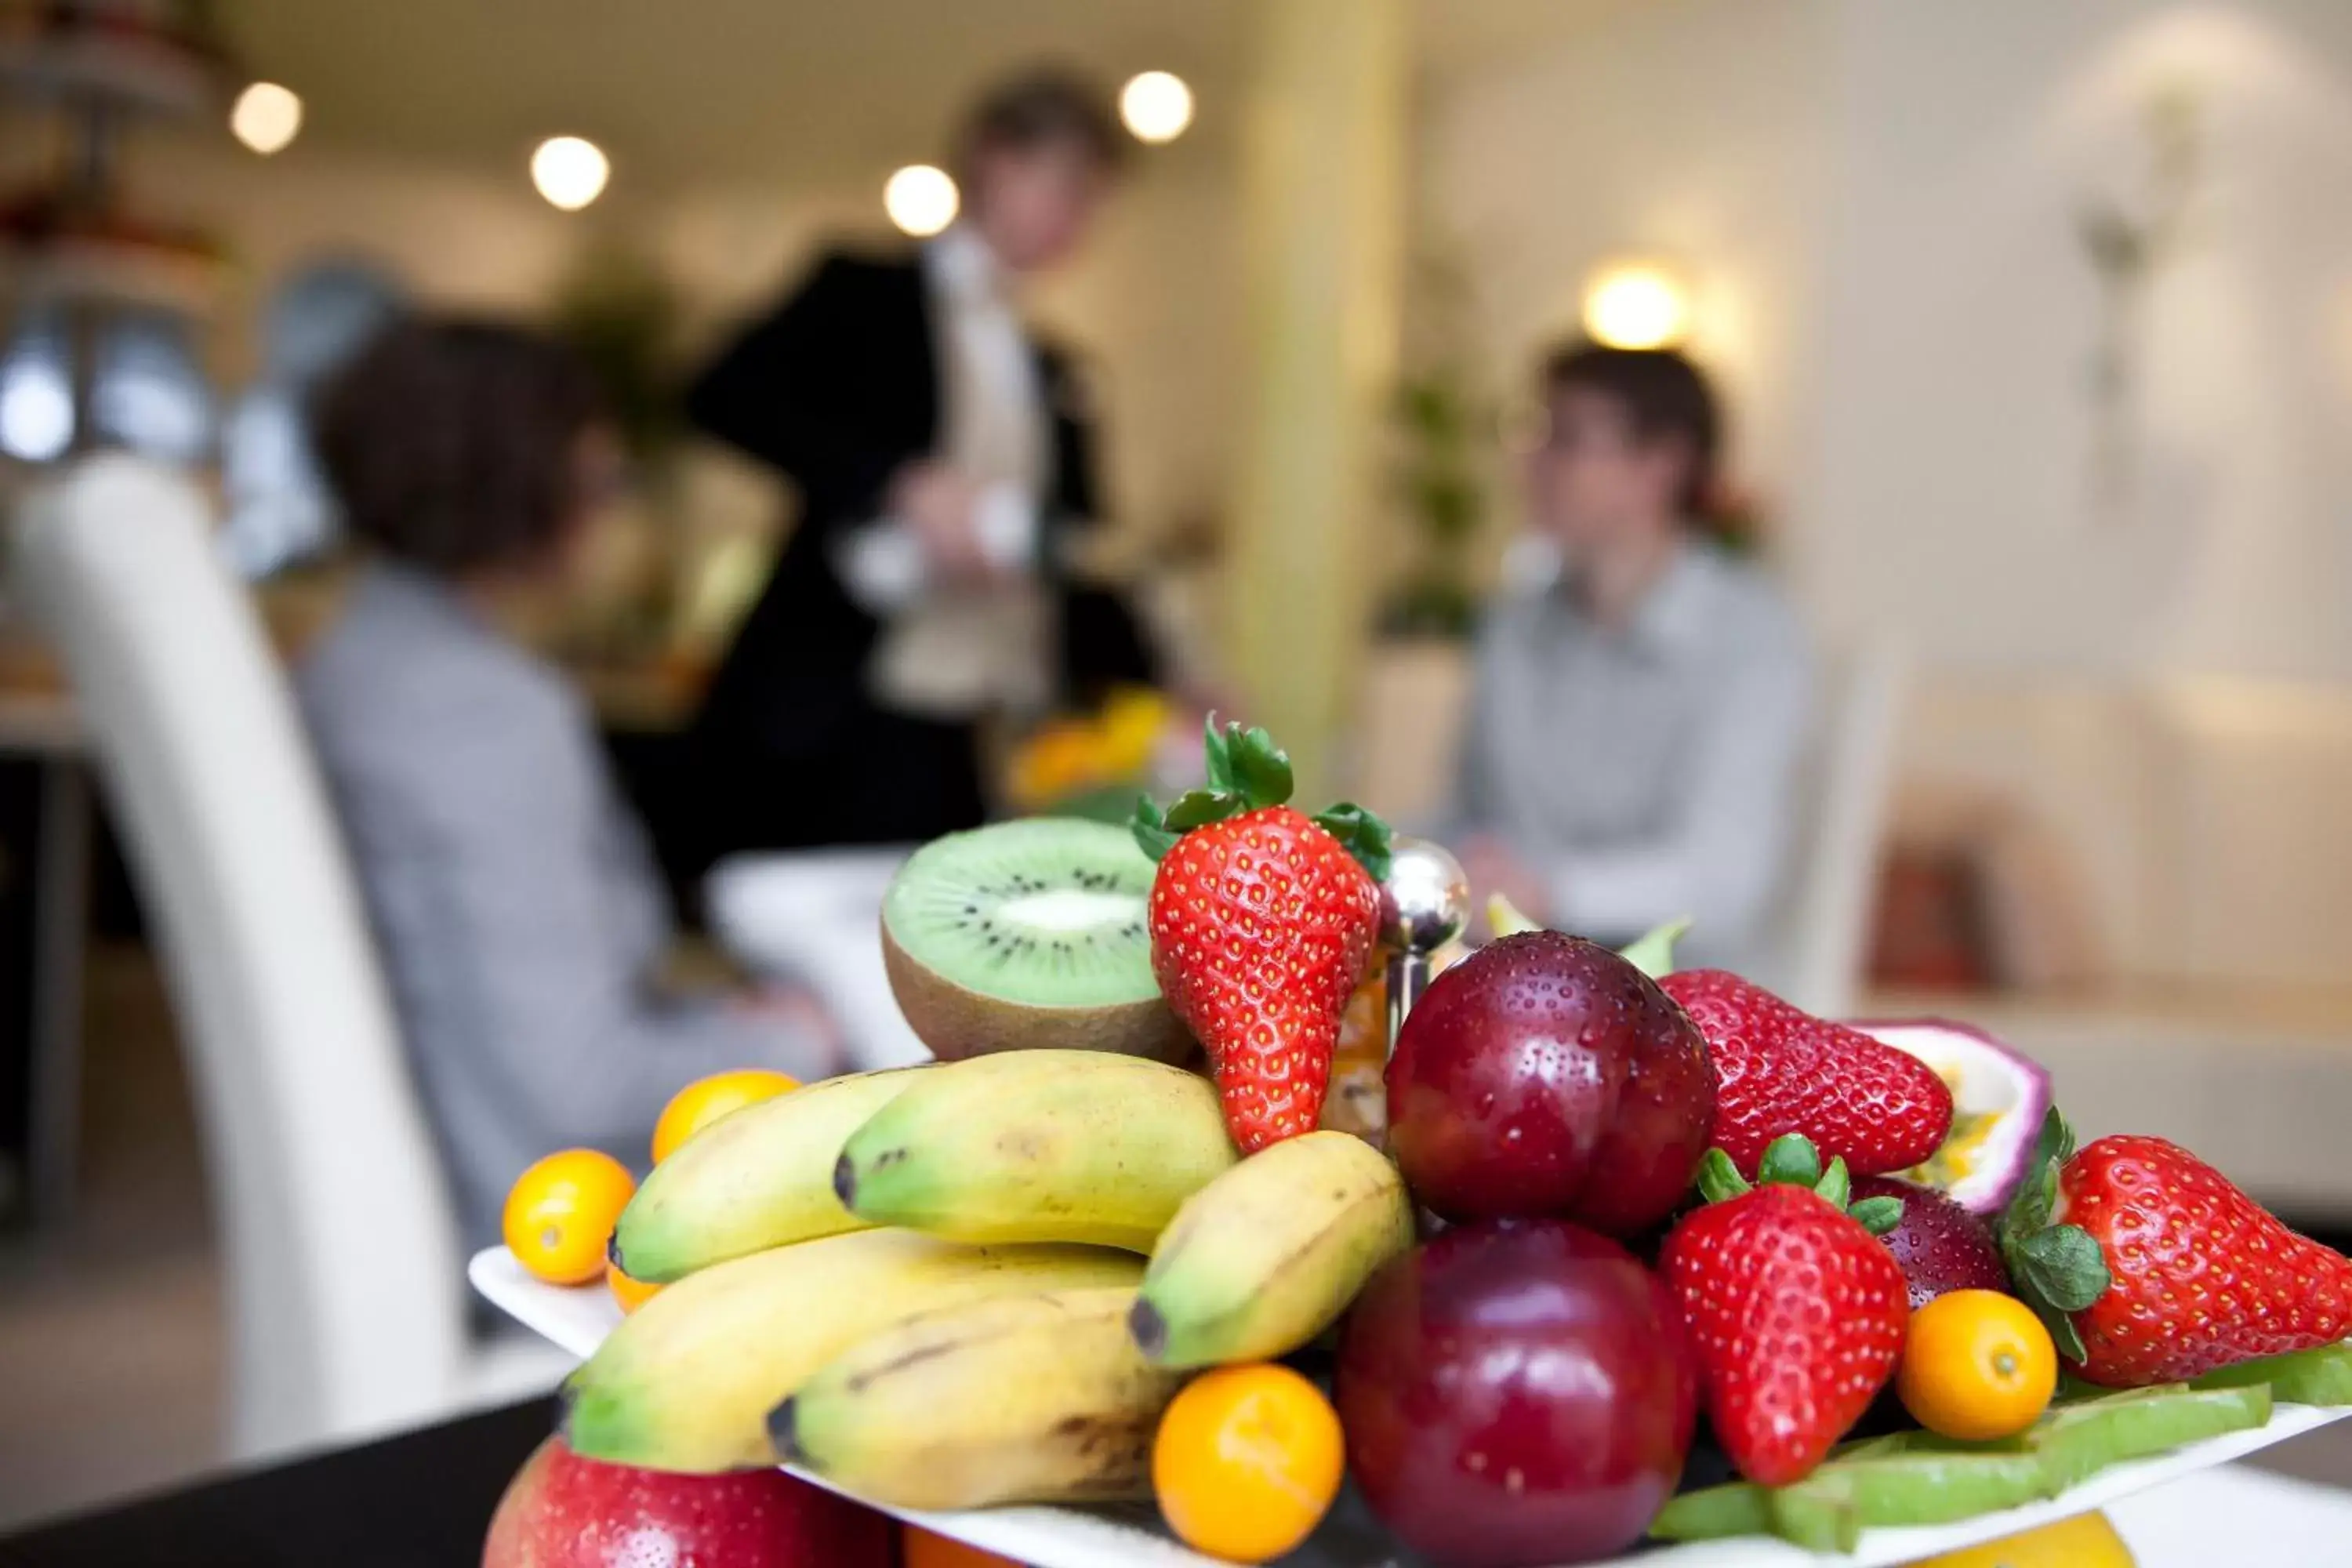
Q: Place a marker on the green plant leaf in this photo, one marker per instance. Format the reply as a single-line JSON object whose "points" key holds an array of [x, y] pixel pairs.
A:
{"points": [[1218, 750], [1788, 1160], [1200, 807], [1150, 829], [1718, 1178], [1836, 1184], [2069, 1270], [1361, 835], [1652, 953], [1259, 770], [1878, 1215]]}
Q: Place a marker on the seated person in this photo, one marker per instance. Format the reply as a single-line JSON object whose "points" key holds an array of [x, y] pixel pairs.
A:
{"points": [[513, 898], [1642, 696]]}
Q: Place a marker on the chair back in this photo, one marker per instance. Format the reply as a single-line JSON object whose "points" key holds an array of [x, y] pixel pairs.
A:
{"points": [[1832, 881], [345, 1307]]}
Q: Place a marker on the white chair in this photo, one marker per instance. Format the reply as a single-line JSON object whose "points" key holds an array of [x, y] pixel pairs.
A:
{"points": [[1824, 924], [346, 1305]]}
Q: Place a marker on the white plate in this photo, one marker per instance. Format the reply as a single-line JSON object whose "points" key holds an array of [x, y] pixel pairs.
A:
{"points": [[578, 1319]]}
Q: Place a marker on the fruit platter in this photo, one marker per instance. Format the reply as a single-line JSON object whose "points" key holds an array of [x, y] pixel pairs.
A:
{"points": [[1247, 1216]]}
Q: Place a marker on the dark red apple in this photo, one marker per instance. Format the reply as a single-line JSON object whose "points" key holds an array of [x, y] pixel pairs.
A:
{"points": [[1940, 1245], [1545, 1075], [1516, 1392], [564, 1512]]}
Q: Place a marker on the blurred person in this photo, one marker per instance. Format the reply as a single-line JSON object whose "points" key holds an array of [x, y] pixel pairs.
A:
{"points": [[944, 461], [1642, 698], [517, 910]]}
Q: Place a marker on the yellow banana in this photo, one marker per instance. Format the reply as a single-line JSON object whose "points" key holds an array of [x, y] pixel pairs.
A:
{"points": [[761, 1177], [1044, 1145], [1269, 1255], [1038, 1398], [686, 1383]]}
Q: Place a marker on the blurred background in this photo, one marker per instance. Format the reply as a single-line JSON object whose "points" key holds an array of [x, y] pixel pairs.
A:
{"points": [[2031, 325]]}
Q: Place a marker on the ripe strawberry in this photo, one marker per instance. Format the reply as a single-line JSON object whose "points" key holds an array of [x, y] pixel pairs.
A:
{"points": [[1263, 922], [2154, 1267], [1796, 1310], [1780, 1070]]}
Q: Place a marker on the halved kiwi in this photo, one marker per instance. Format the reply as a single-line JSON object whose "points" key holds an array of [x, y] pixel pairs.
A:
{"points": [[1027, 935]]}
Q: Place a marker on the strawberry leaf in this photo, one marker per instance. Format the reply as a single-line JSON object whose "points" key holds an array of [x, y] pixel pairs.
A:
{"points": [[1259, 770], [2064, 1266], [1788, 1160], [1652, 953], [1878, 1215], [1836, 1184], [1718, 1178], [1198, 808], [1220, 754], [1361, 835], [1150, 829]]}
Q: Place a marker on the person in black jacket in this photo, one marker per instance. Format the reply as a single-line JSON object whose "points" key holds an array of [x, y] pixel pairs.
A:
{"points": [[944, 465]]}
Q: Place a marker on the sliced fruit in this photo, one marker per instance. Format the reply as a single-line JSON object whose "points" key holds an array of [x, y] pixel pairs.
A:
{"points": [[757, 1179], [2321, 1376], [1920, 1478], [1039, 1146], [560, 1213], [1246, 1462], [1977, 1365], [1028, 934], [706, 1100], [1999, 1095], [2077, 1441]]}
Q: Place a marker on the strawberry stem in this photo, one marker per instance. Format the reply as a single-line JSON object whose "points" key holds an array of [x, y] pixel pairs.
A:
{"points": [[1652, 953], [2058, 1270], [1247, 771]]}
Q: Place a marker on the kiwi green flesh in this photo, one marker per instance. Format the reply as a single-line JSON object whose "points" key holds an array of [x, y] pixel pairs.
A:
{"points": [[1920, 1478], [1026, 934]]}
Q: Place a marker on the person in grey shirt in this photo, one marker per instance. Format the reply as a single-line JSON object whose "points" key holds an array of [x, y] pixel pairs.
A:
{"points": [[512, 896], [1643, 698]]}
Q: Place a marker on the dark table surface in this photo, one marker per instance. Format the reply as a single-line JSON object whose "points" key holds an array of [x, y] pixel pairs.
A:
{"points": [[422, 1499]]}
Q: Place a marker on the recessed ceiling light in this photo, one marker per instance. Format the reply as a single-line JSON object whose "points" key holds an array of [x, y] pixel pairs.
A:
{"points": [[921, 200], [570, 171], [1156, 105], [1637, 305], [265, 117]]}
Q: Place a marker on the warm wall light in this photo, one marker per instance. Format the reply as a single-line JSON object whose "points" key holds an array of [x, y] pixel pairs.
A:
{"points": [[1156, 105], [265, 117], [569, 172], [920, 200], [1636, 305]]}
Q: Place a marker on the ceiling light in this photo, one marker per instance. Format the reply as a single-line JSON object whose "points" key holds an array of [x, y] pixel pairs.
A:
{"points": [[569, 172], [265, 117], [1636, 305], [920, 200], [1156, 106]]}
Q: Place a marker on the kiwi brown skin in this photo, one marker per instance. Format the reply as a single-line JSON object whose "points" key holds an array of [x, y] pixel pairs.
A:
{"points": [[957, 1022]]}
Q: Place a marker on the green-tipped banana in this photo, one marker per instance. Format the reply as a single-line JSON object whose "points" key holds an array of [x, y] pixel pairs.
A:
{"points": [[686, 1383], [1267, 1256], [1038, 1398], [1039, 1146], [758, 1178]]}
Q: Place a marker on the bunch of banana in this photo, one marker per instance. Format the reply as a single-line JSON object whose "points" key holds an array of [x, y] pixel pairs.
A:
{"points": [[1044, 1145], [1267, 1256], [759, 1178], [688, 1380], [1036, 1398]]}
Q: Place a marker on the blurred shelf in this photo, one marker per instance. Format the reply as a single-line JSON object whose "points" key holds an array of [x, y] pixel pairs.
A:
{"points": [[151, 73], [104, 272]]}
